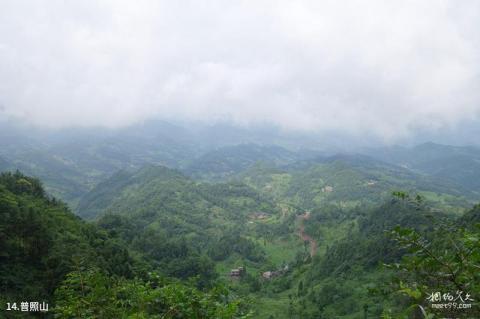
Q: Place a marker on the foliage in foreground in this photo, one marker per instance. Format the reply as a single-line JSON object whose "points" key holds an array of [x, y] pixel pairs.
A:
{"points": [[442, 268], [92, 294]]}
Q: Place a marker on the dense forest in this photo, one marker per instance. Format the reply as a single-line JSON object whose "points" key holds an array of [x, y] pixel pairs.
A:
{"points": [[86, 270], [253, 232], [239, 159]]}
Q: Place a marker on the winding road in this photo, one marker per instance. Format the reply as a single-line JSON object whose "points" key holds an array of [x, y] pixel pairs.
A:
{"points": [[306, 237]]}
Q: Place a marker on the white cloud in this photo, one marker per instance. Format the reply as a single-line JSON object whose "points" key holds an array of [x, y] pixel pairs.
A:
{"points": [[378, 68]]}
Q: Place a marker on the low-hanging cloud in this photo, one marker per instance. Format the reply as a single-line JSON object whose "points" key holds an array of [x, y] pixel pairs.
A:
{"points": [[362, 67]]}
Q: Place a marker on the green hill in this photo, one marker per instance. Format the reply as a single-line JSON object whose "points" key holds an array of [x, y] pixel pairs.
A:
{"points": [[163, 211], [157, 209], [349, 180], [230, 160], [83, 270], [41, 241], [312, 232], [459, 164], [161, 188], [422, 246]]}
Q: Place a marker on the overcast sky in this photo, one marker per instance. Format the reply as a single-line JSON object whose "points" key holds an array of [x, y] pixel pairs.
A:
{"points": [[379, 68]]}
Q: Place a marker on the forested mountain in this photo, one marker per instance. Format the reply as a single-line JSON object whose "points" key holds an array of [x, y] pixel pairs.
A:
{"points": [[157, 220], [72, 161], [388, 262], [41, 240], [84, 271], [472, 217], [350, 180], [163, 188], [154, 207], [240, 159], [317, 236], [230, 160], [458, 164], [161, 211]]}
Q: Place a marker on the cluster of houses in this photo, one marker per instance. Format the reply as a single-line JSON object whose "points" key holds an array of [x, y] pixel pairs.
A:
{"points": [[271, 274], [259, 215], [239, 272], [327, 189], [274, 273]]}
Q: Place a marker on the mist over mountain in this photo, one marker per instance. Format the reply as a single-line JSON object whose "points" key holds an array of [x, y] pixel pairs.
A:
{"points": [[459, 164], [238, 160], [73, 161], [377, 72]]}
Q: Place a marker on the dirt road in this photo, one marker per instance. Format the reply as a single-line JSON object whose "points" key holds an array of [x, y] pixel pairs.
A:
{"points": [[304, 236]]}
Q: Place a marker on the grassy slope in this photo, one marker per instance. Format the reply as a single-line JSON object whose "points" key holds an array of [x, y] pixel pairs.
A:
{"points": [[292, 191], [365, 181]]}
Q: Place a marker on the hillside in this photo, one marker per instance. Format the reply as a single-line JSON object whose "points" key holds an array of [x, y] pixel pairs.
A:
{"points": [[41, 241], [167, 211], [399, 244], [156, 220], [455, 163], [349, 180], [81, 270], [300, 226], [240, 159], [156, 209], [161, 188], [230, 160], [72, 161]]}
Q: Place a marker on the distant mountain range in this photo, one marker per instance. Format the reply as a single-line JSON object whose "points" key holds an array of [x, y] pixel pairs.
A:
{"points": [[72, 162], [454, 163], [161, 203]]}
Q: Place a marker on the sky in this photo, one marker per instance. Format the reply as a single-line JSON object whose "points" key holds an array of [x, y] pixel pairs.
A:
{"points": [[384, 69]]}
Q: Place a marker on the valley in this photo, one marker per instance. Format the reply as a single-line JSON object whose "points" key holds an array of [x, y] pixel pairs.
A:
{"points": [[239, 159], [309, 233]]}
